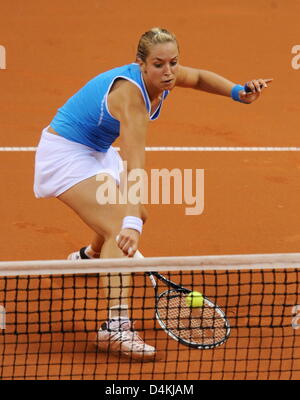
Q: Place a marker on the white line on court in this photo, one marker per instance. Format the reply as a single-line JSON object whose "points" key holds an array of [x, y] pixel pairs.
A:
{"points": [[174, 148]]}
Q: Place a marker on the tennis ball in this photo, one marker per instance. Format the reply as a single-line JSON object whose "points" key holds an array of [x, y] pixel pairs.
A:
{"points": [[195, 299]]}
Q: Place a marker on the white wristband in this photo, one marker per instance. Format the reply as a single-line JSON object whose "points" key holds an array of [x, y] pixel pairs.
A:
{"points": [[133, 223]]}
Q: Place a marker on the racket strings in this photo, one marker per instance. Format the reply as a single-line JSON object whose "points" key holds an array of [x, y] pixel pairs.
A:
{"points": [[200, 325]]}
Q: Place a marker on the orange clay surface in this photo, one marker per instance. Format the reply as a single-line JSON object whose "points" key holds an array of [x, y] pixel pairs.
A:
{"points": [[251, 198]]}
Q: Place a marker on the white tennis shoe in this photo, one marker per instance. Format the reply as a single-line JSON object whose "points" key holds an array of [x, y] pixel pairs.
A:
{"points": [[121, 338], [78, 255]]}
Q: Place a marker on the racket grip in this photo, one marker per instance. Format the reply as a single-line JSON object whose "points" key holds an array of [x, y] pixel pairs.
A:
{"points": [[138, 254]]}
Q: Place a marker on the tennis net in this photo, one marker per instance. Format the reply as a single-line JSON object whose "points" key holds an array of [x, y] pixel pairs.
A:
{"points": [[51, 311]]}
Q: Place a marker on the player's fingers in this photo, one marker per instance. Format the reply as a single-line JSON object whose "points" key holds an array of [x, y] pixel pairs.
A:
{"points": [[257, 86], [127, 241], [129, 249], [127, 245], [118, 238], [252, 87], [123, 244], [132, 250], [262, 84], [121, 240], [131, 246], [249, 87]]}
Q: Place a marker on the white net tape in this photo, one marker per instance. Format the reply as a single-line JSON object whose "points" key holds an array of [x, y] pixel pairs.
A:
{"points": [[225, 262]]}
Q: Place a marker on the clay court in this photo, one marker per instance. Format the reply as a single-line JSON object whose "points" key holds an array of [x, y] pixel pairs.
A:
{"points": [[251, 198]]}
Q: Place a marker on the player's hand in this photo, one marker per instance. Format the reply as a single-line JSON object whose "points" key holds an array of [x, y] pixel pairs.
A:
{"points": [[128, 241], [254, 89]]}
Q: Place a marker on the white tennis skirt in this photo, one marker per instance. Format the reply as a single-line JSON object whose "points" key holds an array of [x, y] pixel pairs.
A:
{"points": [[61, 164]]}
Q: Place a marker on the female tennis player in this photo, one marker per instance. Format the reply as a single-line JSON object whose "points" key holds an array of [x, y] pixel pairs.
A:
{"points": [[75, 156]]}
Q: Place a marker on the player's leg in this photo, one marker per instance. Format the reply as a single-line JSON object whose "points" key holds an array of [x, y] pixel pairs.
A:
{"points": [[97, 243], [91, 251], [106, 219]]}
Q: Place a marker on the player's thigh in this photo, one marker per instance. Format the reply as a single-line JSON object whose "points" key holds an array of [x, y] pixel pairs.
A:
{"points": [[88, 198]]}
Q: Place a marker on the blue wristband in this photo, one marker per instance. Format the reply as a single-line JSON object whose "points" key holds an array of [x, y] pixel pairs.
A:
{"points": [[235, 92]]}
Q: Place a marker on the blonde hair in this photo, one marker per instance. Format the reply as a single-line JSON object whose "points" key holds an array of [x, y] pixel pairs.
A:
{"points": [[152, 37]]}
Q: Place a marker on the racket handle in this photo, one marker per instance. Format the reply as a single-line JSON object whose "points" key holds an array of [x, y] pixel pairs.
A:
{"points": [[138, 254]]}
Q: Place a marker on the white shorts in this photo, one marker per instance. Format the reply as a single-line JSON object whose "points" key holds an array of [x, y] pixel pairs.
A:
{"points": [[61, 164]]}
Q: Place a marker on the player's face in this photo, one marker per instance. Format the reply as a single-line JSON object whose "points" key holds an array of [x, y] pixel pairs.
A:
{"points": [[160, 68]]}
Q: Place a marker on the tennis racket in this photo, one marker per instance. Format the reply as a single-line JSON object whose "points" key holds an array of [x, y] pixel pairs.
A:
{"points": [[203, 327]]}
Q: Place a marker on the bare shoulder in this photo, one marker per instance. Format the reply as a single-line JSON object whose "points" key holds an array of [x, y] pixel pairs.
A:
{"points": [[124, 97]]}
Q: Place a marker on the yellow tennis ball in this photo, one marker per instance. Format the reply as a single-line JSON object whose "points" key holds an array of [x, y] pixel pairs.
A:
{"points": [[195, 299]]}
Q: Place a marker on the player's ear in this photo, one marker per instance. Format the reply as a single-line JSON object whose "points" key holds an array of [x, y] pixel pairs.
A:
{"points": [[141, 63]]}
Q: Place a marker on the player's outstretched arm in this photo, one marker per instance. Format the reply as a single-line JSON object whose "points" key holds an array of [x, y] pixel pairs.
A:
{"points": [[211, 82], [127, 105]]}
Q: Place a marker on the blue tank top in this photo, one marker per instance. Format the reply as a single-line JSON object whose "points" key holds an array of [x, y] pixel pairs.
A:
{"points": [[85, 117]]}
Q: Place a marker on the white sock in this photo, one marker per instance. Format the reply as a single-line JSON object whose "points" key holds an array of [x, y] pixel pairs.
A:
{"points": [[118, 313]]}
